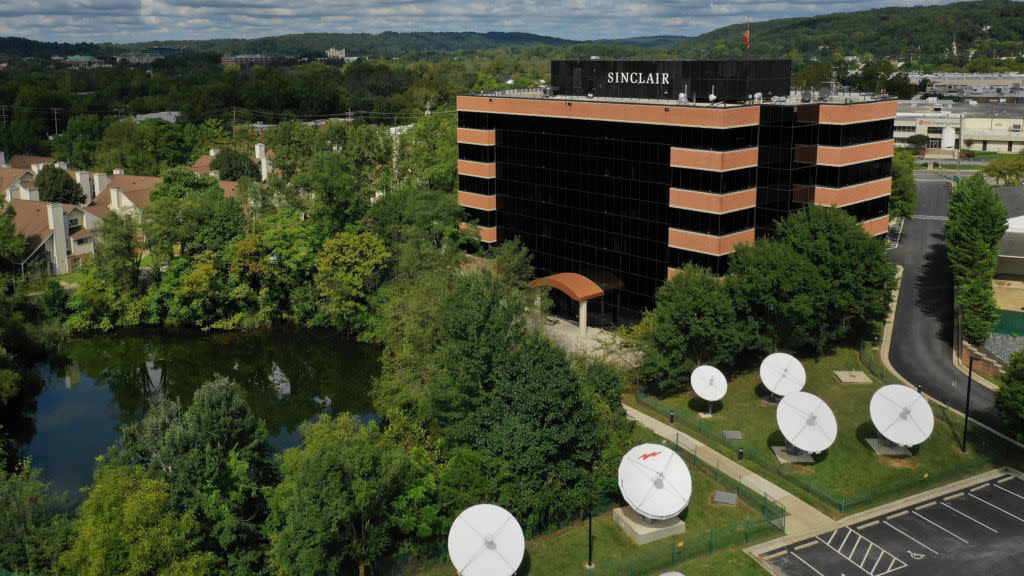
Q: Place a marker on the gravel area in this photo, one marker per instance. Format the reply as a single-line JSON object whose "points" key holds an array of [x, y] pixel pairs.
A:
{"points": [[1003, 345]]}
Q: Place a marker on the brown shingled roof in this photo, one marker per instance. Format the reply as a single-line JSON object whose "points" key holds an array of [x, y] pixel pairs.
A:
{"points": [[202, 165], [82, 233], [136, 188], [9, 176], [26, 162], [30, 221], [230, 188]]}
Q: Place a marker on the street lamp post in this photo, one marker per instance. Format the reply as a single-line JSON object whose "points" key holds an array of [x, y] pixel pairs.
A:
{"points": [[967, 405]]}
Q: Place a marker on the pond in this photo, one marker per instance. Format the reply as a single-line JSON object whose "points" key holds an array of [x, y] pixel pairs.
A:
{"points": [[290, 376]]}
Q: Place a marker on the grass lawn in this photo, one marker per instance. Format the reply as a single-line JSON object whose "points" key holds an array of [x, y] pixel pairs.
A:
{"points": [[849, 467], [727, 563], [564, 552]]}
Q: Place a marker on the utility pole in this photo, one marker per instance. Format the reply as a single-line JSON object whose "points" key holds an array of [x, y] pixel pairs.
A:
{"points": [[960, 147], [55, 122]]}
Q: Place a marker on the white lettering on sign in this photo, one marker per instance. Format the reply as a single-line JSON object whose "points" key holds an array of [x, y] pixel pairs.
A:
{"points": [[638, 78]]}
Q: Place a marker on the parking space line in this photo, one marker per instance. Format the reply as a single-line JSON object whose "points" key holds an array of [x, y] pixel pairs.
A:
{"points": [[877, 560], [972, 519], [807, 564], [867, 553], [1009, 491], [940, 527], [848, 532], [998, 508], [919, 543]]}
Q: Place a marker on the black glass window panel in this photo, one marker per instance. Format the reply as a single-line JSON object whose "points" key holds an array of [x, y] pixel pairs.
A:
{"points": [[715, 224], [476, 153], [853, 134], [714, 182], [476, 120], [718, 265], [529, 130], [869, 210], [476, 185], [842, 176], [484, 218]]}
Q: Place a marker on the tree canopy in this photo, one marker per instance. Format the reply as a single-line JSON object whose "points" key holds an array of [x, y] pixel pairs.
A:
{"points": [[56, 185]]}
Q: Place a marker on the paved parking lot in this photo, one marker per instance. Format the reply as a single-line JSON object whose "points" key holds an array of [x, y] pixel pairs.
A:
{"points": [[976, 530]]}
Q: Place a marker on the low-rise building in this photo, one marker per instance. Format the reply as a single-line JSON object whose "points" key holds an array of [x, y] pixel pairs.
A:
{"points": [[58, 234], [245, 60], [984, 126]]}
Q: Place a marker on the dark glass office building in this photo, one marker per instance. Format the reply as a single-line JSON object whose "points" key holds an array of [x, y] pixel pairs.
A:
{"points": [[623, 171]]}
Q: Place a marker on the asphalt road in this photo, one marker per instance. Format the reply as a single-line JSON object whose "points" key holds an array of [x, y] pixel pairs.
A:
{"points": [[922, 338]]}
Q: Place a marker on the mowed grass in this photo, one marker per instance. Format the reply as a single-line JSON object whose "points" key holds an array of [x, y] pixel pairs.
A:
{"points": [[564, 552], [727, 563], [849, 466]]}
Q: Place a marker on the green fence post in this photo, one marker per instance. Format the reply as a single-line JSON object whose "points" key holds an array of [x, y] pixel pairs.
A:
{"points": [[677, 441], [711, 541], [718, 469], [632, 569], [746, 530], [842, 508]]}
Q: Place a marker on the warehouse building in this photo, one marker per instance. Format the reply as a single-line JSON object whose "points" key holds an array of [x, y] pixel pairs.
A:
{"points": [[623, 171]]}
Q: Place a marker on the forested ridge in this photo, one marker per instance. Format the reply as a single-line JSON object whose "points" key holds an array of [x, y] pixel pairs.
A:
{"points": [[993, 28]]}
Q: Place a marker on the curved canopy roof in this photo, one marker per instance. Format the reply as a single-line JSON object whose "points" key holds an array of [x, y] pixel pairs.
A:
{"points": [[575, 286]]}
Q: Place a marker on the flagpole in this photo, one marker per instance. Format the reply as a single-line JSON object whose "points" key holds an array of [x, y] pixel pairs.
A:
{"points": [[746, 38]]}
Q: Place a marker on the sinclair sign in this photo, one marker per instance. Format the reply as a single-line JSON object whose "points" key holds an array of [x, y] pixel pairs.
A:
{"points": [[728, 80]]}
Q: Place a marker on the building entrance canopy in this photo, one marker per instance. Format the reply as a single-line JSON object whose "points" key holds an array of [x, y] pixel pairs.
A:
{"points": [[575, 286]]}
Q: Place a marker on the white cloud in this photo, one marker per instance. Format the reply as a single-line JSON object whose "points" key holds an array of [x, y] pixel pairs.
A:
{"points": [[145, 20]]}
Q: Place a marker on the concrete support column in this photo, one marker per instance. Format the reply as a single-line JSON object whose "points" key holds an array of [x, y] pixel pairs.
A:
{"points": [[583, 318]]}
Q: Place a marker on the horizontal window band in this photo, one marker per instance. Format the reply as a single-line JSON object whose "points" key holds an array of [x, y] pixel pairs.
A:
{"points": [[713, 161], [707, 243], [876, 226], [478, 201], [845, 155], [841, 197], [712, 203], [478, 169], [847, 113], [472, 136], [582, 109]]}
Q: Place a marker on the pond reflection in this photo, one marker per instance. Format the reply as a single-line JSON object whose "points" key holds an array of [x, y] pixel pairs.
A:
{"points": [[290, 375]]}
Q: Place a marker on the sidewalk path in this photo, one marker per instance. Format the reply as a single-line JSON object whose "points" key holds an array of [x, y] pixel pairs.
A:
{"points": [[801, 517]]}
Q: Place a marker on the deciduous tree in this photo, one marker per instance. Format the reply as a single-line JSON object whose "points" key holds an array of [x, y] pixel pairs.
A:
{"points": [[56, 185], [339, 499], [694, 322]]}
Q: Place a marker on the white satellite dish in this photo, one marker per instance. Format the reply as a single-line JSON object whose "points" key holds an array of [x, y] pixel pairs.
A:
{"points": [[709, 383], [782, 374], [486, 540], [901, 415], [655, 481], [806, 422]]}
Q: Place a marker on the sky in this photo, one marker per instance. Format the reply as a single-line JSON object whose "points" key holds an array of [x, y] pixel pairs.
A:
{"points": [[122, 21]]}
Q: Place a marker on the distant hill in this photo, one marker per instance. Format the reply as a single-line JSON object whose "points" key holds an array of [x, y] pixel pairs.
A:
{"points": [[385, 44], [25, 48], [991, 26]]}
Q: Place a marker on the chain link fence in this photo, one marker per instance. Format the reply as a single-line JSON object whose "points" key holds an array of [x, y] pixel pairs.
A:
{"points": [[712, 435]]}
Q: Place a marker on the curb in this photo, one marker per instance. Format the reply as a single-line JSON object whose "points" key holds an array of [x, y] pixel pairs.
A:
{"points": [[758, 550], [884, 353]]}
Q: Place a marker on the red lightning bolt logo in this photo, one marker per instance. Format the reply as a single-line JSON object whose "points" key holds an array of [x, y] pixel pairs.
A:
{"points": [[650, 455]]}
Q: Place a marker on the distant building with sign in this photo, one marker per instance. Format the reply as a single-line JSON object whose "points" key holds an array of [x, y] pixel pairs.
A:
{"points": [[621, 172]]}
